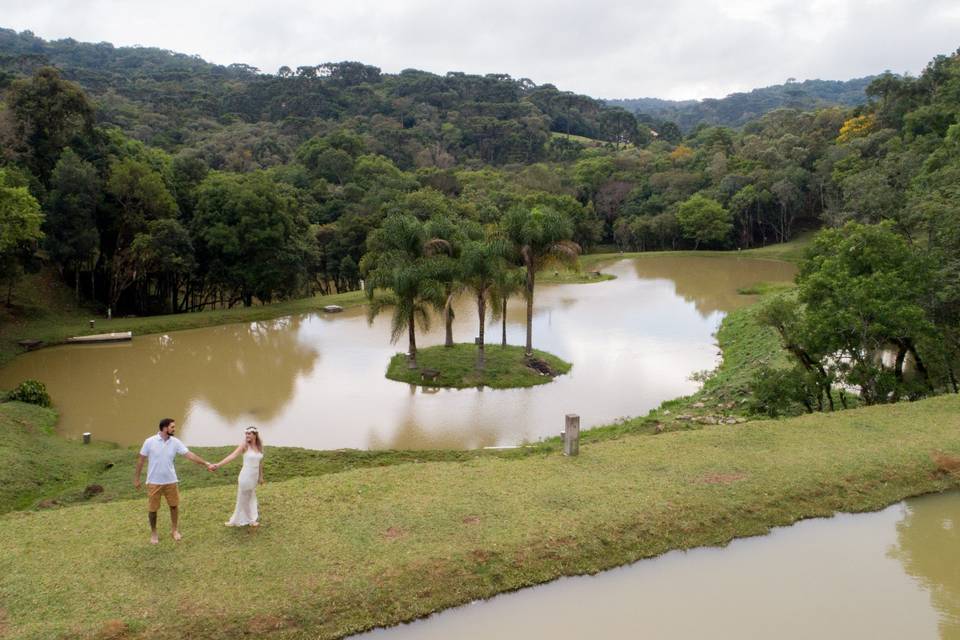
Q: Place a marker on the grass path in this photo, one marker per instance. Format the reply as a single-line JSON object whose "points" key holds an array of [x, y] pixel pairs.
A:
{"points": [[345, 552]]}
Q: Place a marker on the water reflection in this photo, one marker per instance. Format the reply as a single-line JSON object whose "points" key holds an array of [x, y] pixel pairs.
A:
{"points": [[317, 380], [928, 545], [116, 390], [711, 283], [824, 578]]}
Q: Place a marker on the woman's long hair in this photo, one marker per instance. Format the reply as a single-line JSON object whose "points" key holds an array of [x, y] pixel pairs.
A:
{"points": [[257, 442]]}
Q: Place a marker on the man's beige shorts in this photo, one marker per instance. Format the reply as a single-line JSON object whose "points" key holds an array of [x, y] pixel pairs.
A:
{"points": [[169, 491]]}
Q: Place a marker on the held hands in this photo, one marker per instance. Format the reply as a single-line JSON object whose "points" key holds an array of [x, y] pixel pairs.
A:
{"points": [[212, 467]]}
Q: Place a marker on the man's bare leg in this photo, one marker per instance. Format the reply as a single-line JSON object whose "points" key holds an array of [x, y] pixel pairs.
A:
{"points": [[152, 515], [174, 516]]}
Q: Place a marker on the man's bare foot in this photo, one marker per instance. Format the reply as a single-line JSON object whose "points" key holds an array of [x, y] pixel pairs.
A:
{"points": [[154, 539], [176, 535]]}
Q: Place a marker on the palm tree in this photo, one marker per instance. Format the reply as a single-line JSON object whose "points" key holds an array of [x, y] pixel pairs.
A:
{"points": [[508, 283], [446, 239], [397, 259], [481, 262], [539, 236]]}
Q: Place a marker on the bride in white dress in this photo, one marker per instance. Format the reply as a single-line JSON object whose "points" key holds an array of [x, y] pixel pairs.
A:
{"points": [[251, 474]]}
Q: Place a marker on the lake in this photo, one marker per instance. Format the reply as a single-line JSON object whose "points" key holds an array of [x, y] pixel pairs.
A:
{"points": [[317, 380]]}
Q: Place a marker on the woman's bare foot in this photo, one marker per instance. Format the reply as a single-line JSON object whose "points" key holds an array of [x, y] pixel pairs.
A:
{"points": [[154, 539], [254, 524], [176, 536]]}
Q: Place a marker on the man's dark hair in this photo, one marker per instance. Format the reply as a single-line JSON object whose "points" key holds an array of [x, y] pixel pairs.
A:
{"points": [[165, 423]]}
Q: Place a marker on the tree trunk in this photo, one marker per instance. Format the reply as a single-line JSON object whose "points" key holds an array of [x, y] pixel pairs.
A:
{"points": [[412, 348], [482, 312], [530, 284], [503, 321], [76, 282], [448, 320]]}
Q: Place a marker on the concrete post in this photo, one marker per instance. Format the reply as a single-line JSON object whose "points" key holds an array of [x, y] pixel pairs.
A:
{"points": [[571, 435]]}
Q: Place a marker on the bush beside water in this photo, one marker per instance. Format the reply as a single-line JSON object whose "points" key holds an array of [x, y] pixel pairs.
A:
{"points": [[31, 392]]}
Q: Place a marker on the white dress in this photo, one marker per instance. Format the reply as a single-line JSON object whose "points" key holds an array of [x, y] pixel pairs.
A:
{"points": [[246, 512]]}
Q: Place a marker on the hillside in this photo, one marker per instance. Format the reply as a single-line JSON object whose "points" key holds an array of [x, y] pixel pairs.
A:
{"points": [[172, 101], [737, 109]]}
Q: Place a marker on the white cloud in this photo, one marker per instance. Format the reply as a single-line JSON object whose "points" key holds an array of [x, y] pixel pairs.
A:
{"points": [[607, 48]]}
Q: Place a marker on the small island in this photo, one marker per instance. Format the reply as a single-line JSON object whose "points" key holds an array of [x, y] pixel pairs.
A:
{"points": [[505, 367]]}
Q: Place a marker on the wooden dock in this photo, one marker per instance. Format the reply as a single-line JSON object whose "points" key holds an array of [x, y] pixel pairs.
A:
{"points": [[119, 336]]}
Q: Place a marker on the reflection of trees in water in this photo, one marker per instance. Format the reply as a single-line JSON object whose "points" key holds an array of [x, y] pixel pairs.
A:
{"points": [[929, 548], [408, 432], [237, 369], [248, 369], [711, 283]]}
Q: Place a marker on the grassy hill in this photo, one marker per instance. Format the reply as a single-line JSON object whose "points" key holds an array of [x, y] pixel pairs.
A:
{"points": [[344, 552]]}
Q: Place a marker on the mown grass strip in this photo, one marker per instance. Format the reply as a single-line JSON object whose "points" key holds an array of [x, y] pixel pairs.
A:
{"points": [[345, 552]]}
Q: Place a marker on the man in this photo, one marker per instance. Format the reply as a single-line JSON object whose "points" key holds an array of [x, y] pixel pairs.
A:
{"points": [[161, 450]]}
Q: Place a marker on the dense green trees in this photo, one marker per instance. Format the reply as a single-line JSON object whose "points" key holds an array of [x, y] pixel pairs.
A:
{"points": [[704, 221], [251, 236], [73, 199], [49, 114], [20, 222]]}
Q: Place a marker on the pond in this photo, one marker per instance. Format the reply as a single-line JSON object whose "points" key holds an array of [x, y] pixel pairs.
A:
{"points": [[317, 380], [891, 574]]}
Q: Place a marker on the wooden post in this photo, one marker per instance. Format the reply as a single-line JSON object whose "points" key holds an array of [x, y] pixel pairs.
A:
{"points": [[86, 437], [571, 435]]}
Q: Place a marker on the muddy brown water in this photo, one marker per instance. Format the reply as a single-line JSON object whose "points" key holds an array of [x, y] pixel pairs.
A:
{"points": [[893, 574], [317, 380]]}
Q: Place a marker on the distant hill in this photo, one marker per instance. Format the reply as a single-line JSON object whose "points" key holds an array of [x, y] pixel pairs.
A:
{"points": [[172, 100], [739, 108]]}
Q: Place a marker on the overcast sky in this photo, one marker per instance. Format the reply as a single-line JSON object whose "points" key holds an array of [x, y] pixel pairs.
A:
{"points": [[673, 49]]}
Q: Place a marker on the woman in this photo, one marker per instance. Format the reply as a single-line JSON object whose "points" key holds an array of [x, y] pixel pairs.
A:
{"points": [[251, 474]]}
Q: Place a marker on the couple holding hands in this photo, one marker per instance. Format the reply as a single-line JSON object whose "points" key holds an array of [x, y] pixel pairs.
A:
{"points": [[161, 450]]}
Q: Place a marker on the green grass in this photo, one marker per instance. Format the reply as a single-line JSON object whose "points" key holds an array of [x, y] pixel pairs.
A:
{"points": [[38, 468], [587, 142], [505, 367], [787, 252], [572, 276], [345, 552], [765, 288]]}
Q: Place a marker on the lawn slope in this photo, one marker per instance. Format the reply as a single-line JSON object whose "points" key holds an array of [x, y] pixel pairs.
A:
{"points": [[344, 552]]}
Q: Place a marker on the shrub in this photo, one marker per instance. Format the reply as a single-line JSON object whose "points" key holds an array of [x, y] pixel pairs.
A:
{"points": [[31, 392], [782, 392]]}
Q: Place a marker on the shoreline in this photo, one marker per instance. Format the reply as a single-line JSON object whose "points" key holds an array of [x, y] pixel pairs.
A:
{"points": [[350, 551], [53, 328]]}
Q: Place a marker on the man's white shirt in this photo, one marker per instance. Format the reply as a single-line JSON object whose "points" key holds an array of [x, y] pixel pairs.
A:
{"points": [[160, 454]]}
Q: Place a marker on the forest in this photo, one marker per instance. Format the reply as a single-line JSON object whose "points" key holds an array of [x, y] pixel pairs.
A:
{"points": [[155, 182], [737, 109]]}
